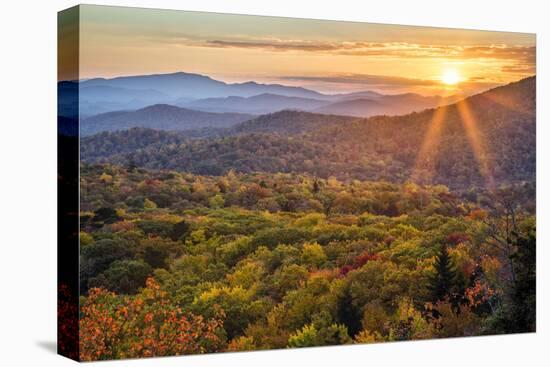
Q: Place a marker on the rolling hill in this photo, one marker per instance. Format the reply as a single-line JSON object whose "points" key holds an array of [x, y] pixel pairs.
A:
{"points": [[287, 122], [200, 92], [494, 139], [259, 104], [366, 104], [195, 86], [361, 107], [161, 117]]}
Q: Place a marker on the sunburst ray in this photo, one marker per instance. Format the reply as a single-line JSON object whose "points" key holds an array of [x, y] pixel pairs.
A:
{"points": [[424, 167], [475, 139]]}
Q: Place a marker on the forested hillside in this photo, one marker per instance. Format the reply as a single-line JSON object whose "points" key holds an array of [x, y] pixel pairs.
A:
{"points": [[296, 229], [159, 117], [260, 261], [250, 183], [487, 139]]}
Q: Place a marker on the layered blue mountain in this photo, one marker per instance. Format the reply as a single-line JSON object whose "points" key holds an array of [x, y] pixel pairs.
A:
{"points": [[131, 92], [260, 104], [200, 92], [493, 133], [365, 104], [103, 98]]}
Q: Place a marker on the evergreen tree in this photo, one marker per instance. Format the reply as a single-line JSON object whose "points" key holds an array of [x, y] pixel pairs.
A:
{"points": [[442, 283], [349, 314], [517, 311], [179, 230], [523, 297]]}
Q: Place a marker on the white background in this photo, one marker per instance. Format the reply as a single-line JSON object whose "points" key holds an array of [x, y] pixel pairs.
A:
{"points": [[28, 182]]}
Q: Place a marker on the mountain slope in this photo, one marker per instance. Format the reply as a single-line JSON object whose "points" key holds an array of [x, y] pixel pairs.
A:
{"points": [[288, 122], [175, 84], [161, 117], [493, 142], [366, 104], [95, 99], [360, 104], [195, 86], [195, 91], [361, 107], [259, 104]]}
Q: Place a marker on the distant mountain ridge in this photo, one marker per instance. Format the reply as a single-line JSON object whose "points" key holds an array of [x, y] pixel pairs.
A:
{"points": [[258, 104], [366, 104], [194, 86], [495, 138], [361, 107], [201, 92]]}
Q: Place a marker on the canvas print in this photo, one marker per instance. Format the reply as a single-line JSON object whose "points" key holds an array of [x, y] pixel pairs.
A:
{"points": [[236, 183]]}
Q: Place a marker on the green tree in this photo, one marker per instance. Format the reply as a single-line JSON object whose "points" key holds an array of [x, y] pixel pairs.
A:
{"points": [[313, 255], [443, 281], [306, 337], [104, 216], [123, 276], [216, 202], [236, 303], [179, 230], [517, 311], [348, 313], [523, 310], [155, 256]]}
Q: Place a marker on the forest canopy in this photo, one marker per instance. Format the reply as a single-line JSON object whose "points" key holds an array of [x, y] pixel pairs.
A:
{"points": [[296, 229], [256, 261], [429, 147]]}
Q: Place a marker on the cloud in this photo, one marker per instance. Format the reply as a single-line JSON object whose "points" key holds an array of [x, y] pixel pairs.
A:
{"points": [[522, 58], [365, 79], [519, 59], [397, 49], [277, 45], [526, 53], [519, 69]]}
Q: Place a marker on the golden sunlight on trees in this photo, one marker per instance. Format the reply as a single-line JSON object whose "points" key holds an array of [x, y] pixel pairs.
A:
{"points": [[145, 325], [215, 269]]}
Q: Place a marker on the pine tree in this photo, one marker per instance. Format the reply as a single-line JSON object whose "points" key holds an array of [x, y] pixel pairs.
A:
{"points": [[349, 314], [517, 312], [523, 309], [442, 283]]}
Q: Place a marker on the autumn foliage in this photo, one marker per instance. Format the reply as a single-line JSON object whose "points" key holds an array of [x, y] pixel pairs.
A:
{"points": [[174, 263], [358, 262], [145, 325]]}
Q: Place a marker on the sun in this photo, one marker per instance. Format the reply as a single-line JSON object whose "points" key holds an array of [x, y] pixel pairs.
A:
{"points": [[450, 77]]}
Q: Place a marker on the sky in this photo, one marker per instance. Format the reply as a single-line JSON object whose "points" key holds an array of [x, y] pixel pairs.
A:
{"points": [[327, 56]]}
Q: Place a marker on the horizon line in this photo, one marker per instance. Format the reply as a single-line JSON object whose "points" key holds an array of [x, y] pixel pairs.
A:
{"points": [[367, 89]]}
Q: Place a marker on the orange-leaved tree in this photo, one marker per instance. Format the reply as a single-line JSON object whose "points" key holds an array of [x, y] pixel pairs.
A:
{"points": [[145, 325]]}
